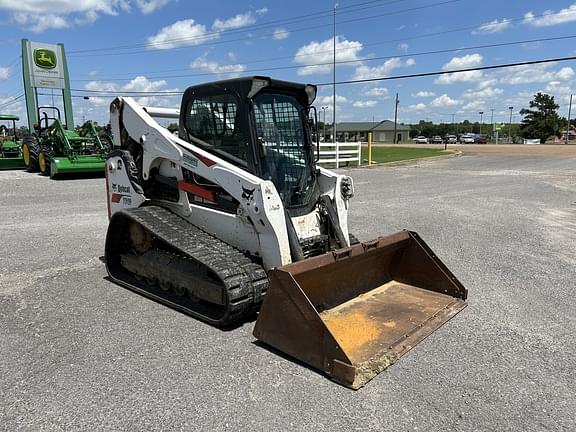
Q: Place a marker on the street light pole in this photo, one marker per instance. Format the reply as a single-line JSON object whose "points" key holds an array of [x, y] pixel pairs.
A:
{"points": [[569, 114], [324, 121], [492, 121], [510, 126], [481, 114], [396, 119], [334, 78]]}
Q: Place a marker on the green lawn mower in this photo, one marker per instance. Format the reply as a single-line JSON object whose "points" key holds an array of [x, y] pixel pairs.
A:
{"points": [[53, 149], [10, 152]]}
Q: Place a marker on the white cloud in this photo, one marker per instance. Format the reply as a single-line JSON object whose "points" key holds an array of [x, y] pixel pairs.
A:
{"points": [[424, 94], [39, 23], [4, 73], [64, 6], [149, 6], [327, 100], [138, 84], [240, 20], [280, 33], [417, 107], [485, 93], [557, 87], [487, 83], [188, 32], [13, 106], [181, 33], [474, 105], [364, 104], [467, 61], [202, 64], [495, 26], [376, 92], [464, 62], [551, 18], [38, 16], [535, 73], [565, 74], [403, 47], [469, 76], [531, 46], [322, 53], [444, 101], [367, 72]]}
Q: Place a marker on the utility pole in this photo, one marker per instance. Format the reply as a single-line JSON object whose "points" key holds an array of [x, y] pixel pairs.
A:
{"points": [[396, 119], [481, 114], [569, 114], [334, 78], [510, 126]]}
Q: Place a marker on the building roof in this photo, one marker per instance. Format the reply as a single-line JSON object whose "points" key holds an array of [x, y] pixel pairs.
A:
{"points": [[385, 125]]}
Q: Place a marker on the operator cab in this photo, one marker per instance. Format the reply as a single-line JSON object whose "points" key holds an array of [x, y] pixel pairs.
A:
{"points": [[260, 125]]}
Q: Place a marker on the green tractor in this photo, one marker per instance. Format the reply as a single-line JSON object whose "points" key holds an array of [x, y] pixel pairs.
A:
{"points": [[54, 149], [10, 153]]}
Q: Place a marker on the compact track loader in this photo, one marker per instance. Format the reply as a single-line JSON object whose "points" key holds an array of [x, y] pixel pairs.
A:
{"points": [[233, 216]]}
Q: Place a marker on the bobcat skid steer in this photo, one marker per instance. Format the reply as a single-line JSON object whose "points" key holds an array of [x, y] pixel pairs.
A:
{"points": [[233, 216]]}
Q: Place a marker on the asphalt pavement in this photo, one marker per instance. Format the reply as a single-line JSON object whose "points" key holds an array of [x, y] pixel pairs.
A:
{"points": [[78, 352]]}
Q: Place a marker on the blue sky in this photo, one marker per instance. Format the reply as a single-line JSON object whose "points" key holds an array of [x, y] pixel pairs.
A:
{"points": [[119, 46]]}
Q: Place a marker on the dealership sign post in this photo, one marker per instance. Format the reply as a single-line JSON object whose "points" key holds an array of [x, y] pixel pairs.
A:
{"points": [[44, 66]]}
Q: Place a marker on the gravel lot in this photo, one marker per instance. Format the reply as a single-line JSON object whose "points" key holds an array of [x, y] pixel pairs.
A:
{"points": [[79, 352]]}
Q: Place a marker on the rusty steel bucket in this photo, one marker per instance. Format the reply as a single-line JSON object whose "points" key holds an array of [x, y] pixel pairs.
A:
{"points": [[353, 312]]}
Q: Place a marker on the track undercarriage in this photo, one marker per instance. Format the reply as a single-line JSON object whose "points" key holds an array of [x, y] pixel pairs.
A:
{"points": [[162, 256]]}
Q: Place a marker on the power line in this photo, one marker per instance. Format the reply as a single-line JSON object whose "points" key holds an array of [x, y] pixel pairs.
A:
{"points": [[418, 54], [11, 102], [425, 35], [426, 74], [245, 29], [418, 75], [267, 24], [143, 93]]}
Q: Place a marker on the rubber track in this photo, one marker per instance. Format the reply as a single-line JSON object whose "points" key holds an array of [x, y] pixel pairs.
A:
{"points": [[245, 281]]}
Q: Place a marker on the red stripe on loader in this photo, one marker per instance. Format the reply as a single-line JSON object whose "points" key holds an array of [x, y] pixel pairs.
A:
{"points": [[205, 160], [196, 190], [116, 197]]}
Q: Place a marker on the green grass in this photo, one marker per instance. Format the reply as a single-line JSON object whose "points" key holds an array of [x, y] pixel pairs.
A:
{"points": [[393, 154]]}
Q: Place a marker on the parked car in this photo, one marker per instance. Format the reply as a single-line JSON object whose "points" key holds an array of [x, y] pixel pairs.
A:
{"points": [[451, 139], [480, 139], [467, 139], [436, 139], [420, 140]]}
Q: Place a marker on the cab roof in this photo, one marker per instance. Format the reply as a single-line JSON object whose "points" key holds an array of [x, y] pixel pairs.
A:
{"points": [[9, 117]]}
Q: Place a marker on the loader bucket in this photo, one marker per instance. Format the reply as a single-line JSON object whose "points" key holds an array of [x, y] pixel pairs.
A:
{"points": [[353, 312]]}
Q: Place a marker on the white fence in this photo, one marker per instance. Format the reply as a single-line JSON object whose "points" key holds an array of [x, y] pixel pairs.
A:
{"points": [[340, 153]]}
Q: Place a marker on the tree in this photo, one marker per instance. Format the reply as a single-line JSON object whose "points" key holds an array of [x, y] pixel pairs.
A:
{"points": [[542, 119]]}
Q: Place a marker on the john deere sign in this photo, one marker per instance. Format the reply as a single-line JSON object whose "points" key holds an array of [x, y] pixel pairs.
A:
{"points": [[45, 58], [45, 65]]}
